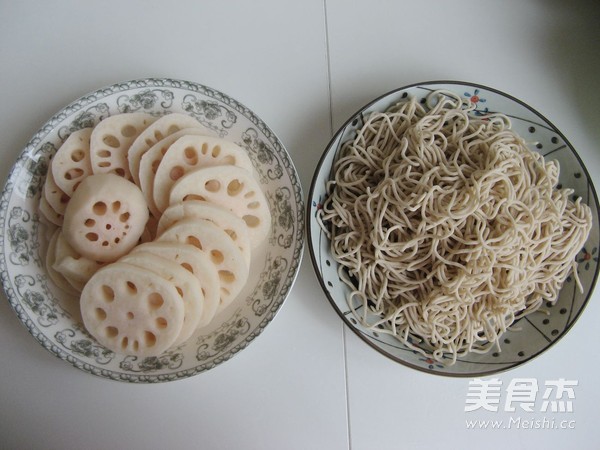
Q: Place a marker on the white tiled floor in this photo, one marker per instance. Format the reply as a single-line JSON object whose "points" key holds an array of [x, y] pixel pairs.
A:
{"points": [[306, 383]]}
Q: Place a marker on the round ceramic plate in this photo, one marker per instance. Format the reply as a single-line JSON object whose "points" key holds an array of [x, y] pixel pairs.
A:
{"points": [[53, 318], [538, 331]]}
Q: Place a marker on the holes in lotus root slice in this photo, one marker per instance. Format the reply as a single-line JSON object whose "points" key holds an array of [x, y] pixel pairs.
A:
{"points": [[105, 217], [108, 294], [186, 285], [226, 276], [100, 314], [232, 234], [213, 185], [99, 208], [176, 173], [195, 262], [115, 206], [194, 197], [251, 221], [104, 153], [128, 131], [71, 163], [111, 332], [155, 300], [191, 156], [147, 167], [151, 315], [77, 155], [92, 237], [222, 251], [149, 339], [193, 240], [232, 188], [56, 198], [165, 127], [131, 288], [73, 174], [189, 153], [217, 257], [111, 141]]}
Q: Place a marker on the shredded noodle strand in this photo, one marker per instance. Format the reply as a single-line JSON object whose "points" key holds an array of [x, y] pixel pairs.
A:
{"points": [[447, 227]]}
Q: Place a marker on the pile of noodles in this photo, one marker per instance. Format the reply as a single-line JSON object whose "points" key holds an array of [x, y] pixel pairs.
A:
{"points": [[447, 227]]}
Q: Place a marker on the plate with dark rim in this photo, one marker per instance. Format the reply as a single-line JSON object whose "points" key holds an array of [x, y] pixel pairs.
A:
{"points": [[534, 333], [53, 318]]}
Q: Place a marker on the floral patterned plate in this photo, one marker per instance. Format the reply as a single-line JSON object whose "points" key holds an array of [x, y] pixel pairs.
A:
{"points": [[54, 319], [538, 331]]}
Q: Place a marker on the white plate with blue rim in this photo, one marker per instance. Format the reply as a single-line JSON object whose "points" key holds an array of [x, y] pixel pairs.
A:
{"points": [[53, 318], [534, 333]]}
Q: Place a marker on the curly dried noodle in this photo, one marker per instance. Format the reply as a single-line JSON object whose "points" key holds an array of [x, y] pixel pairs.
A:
{"points": [[447, 227]]}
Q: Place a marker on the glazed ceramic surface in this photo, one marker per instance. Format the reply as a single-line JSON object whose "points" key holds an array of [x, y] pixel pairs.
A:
{"points": [[53, 318], [532, 334]]}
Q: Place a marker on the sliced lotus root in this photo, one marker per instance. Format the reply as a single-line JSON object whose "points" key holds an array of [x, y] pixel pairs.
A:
{"points": [[55, 196], [231, 187], [187, 285], [196, 262], [49, 213], [163, 127], [151, 160], [105, 217], [71, 163], [196, 209], [192, 152], [59, 280], [131, 310], [111, 140], [219, 247], [76, 269]]}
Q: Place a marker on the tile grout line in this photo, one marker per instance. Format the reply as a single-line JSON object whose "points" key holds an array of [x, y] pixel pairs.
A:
{"points": [[328, 58], [328, 68], [346, 385], [329, 91]]}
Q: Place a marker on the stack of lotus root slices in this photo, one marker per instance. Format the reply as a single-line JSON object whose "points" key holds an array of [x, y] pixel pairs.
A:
{"points": [[155, 221]]}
